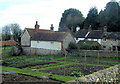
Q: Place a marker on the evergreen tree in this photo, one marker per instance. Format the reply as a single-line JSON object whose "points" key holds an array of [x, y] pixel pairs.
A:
{"points": [[92, 19], [71, 18]]}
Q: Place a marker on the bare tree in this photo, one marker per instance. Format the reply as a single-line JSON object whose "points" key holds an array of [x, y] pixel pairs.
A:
{"points": [[15, 31], [6, 32], [11, 31]]}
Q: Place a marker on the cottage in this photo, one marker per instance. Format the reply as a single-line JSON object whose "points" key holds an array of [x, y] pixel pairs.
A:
{"points": [[80, 35], [111, 41], [89, 35], [40, 41], [108, 40], [95, 35]]}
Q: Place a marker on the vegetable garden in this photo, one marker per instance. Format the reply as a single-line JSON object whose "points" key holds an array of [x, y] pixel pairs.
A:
{"points": [[56, 67]]}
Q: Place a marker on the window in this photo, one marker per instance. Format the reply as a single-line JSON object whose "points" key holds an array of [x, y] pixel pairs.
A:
{"points": [[104, 46]]}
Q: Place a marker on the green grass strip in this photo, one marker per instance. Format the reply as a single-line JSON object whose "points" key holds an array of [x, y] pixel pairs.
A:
{"points": [[57, 66], [6, 50], [60, 58], [72, 63], [36, 73]]}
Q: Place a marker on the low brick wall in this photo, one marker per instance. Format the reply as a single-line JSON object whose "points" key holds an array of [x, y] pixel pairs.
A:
{"points": [[111, 74], [39, 51], [101, 53]]}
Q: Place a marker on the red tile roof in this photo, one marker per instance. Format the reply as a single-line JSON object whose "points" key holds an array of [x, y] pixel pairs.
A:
{"points": [[8, 43]]}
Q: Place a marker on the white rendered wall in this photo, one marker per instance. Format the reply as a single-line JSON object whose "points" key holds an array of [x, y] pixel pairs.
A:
{"points": [[98, 40], [25, 39], [46, 45], [79, 39]]}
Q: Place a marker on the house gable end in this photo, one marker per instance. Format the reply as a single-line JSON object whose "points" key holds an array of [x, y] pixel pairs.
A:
{"points": [[69, 38], [25, 39]]}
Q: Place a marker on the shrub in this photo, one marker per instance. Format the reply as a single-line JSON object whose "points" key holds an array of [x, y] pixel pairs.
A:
{"points": [[77, 74], [89, 46], [73, 46]]}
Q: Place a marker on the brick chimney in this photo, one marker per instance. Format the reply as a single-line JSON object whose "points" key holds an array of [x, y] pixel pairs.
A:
{"points": [[89, 29], [36, 27], [52, 28], [105, 28]]}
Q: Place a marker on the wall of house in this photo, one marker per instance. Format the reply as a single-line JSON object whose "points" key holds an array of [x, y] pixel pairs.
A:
{"points": [[39, 51], [79, 39], [98, 40], [109, 43], [25, 39], [46, 45], [69, 38]]}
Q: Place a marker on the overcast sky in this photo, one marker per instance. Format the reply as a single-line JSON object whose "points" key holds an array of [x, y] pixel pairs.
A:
{"points": [[46, 12]]}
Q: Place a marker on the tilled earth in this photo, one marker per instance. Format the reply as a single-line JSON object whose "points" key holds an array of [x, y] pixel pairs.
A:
{"points": [[24, 78], [78, 68]]}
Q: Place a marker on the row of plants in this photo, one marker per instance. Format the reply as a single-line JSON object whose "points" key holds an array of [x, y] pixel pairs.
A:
{"points": [[59, 64], [17, 61], [85, 46], [107, 58], [22, 60], [38, 67], [94, 60]]}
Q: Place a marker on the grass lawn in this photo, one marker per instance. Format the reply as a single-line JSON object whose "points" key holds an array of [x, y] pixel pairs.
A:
{"points": [[35, 73], [6, 50]]}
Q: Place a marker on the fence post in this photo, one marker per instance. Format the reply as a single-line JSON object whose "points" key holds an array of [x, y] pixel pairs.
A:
{"points": [[65, 53], [85, 61], [98, 56]]}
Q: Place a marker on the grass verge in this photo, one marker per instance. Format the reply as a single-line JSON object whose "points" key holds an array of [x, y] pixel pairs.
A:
{"points": [[36, 73]]}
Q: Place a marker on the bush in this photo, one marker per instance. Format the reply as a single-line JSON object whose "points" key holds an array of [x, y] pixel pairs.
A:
{"points": [[77, 74], [89, 46], [73, 46]]}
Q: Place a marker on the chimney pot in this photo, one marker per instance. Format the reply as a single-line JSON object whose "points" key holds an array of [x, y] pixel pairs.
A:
{"points": [[51, 28], [36, 27], [36, 22]]}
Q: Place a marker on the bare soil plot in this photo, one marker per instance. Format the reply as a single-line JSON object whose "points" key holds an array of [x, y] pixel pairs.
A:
{"points": [[78, 68], [23, 78]]}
